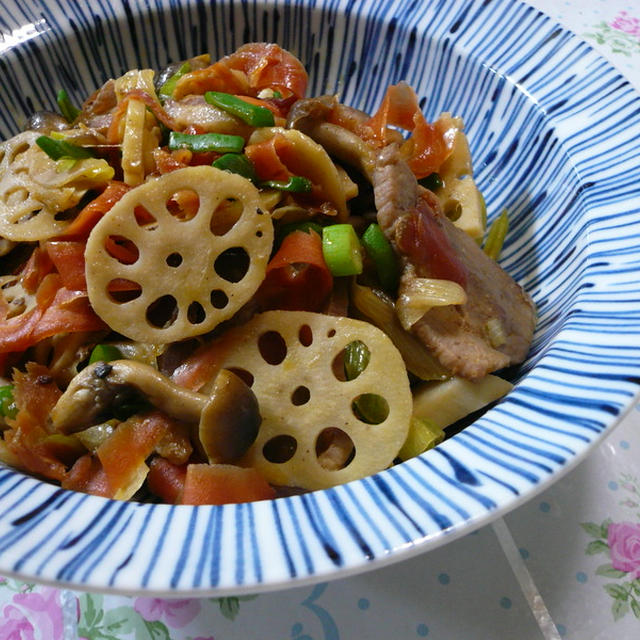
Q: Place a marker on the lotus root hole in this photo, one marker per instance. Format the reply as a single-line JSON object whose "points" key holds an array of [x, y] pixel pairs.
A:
{"points": [[121, 290], [184, 204], [122, 249], [305, 335], [244, 375], [174, 259], [334, 449], [280, 448], [339, 365], [225, 216], [331, 333], [370, 408], [232, 264], [219, 299], [301, 395], [196, 313], [18, 151], [162, 313], [143, 217], [272, 347]]}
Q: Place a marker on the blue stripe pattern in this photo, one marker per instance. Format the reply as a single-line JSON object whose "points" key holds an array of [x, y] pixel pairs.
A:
{"points": [[555, 136]]}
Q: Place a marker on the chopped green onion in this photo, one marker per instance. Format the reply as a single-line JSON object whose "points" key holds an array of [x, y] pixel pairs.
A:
{"points": [[57, 149], [8, 408], [105, 353], [496, 235], [432, 182], [369, 407], [167, 89], [67, 109], [237, 163], [423, 435], [252, 114], [384, 258], [218, 142], [295, 184], [356, 359], [341, 250]]}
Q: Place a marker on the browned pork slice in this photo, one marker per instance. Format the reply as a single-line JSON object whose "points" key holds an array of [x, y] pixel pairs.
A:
{"points": [[494, 328]]}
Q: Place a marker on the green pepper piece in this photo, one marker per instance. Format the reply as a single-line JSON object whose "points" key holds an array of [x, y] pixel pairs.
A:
{"points": [[341, 250], [105, 353], [254, 115], [167, 89], [236, 163], [8, 408], [295, 184], [218, 142], [57, 149], [384, 258], [68, 110], [432, 182]]}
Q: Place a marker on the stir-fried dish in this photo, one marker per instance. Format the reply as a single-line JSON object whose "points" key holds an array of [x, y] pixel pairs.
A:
{"points": [[216, 289]]}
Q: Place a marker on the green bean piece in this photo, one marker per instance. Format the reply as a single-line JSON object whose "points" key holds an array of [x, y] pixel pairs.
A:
{"points": [[202, 142], [295, 184], [342, 250], [167, 89], [356, 359], [254, 115], [237, 163]]}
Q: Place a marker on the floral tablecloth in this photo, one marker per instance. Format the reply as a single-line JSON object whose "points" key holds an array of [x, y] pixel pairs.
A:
{"points": [[565, 565]]}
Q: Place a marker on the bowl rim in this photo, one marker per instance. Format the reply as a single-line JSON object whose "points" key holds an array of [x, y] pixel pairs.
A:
{"points": [[333, 533]]}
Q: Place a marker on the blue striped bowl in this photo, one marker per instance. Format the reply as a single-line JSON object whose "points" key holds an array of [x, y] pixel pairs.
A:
{"points": [[555, 134]]}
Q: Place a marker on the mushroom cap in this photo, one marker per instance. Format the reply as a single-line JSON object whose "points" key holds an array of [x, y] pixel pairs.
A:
{"points": [[230, 419]]}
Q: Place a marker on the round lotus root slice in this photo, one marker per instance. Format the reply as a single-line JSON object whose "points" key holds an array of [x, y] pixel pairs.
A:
{"points": [[318, 428], [178, 254], [25, 214]]}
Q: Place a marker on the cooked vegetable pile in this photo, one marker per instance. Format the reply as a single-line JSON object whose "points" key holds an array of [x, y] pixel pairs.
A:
{"points": [[216, 289]]}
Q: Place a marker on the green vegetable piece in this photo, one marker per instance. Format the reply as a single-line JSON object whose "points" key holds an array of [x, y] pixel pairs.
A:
{"points": [[423, 435], [167, 89], [384, 258], [252, 114], [57, 149], [432, 182], [369, 407], [105, 353], [496, 235], [295, 184], [69, 111], [8, 408], [341, 250], [218, 142], [356, 359], [237, 163]]}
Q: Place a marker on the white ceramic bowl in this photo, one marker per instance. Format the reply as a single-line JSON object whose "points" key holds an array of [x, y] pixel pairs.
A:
{"points": [[555, 136]]}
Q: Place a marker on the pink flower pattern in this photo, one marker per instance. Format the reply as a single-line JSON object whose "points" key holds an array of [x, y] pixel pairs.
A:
{"points": [[176, 613], [623, 539], [33, 616], [627, 24]]}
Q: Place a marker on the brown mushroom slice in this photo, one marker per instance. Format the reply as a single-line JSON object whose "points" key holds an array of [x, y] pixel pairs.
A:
{"points": [[228, 419], [311, 436], [189, 271]]}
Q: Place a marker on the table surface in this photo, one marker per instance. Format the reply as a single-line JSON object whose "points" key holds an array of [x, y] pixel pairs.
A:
{"points": [[565, 565]]}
